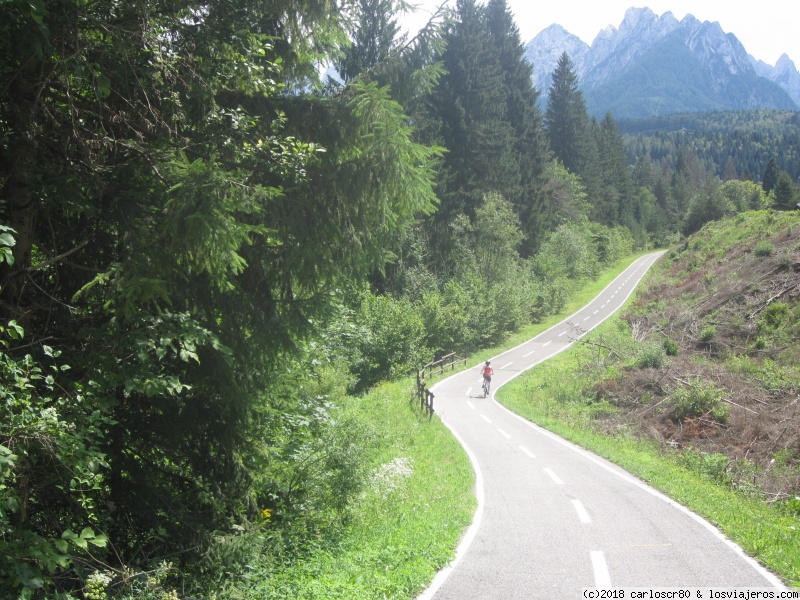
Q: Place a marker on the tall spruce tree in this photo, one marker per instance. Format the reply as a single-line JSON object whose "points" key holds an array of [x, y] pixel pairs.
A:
{"points": [[372, 39], [469, 105], [179, 231], [785, 193], [489, 121], [771, 175], [529, 152], [615, 205], [566, 119]]}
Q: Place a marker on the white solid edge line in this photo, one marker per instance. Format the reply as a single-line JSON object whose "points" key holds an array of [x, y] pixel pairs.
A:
{"points": [[472, 530], [625, 476], [770, 577]]}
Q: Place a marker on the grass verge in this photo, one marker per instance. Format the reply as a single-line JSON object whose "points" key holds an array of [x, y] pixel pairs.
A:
{"points": [[405, 525], [552, 396]]}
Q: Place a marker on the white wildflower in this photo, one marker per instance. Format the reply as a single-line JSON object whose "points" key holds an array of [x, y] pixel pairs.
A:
{"points": [[387, 478]]}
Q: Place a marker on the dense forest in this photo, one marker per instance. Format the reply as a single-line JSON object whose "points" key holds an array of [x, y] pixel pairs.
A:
{"points": [[204, 246], [730, 145]]}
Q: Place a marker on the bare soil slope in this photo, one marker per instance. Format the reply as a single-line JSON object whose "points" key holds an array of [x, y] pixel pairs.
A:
{"points": [[717, 367]]}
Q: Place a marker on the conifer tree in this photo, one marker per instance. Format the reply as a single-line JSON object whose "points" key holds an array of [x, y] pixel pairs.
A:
{"points": [[566, 119], [771, 175], [528, 151], [373, 38], [785, 193]]}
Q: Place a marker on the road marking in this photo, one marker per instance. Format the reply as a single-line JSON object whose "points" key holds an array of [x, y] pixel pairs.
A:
{"points": [[554, 477], [597, 311], [508, 365], [471, 405], [547, 342], [602, 579], [469, 391], [582, 514], [562, 333], [528, 452], [528, 354], [485, 418], [503, 433], [587, 318]]}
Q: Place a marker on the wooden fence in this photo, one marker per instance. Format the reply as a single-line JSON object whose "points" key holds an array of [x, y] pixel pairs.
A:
{"points": [[437, 367]]}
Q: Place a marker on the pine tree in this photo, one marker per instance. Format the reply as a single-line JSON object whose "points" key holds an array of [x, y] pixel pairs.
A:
{"points": [[771, 175], [785, 193], [373, 38], [528, 150], [566, 119], [468, 103], [615, 205]]}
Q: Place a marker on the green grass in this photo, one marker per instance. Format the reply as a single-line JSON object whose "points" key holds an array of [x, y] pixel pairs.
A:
{"points": [[406, 524], [551, 396]]}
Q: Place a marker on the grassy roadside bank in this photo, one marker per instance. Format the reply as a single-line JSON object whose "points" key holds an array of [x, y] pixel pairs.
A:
{"points": [[404, 526], [419, 501], [553, 396]]}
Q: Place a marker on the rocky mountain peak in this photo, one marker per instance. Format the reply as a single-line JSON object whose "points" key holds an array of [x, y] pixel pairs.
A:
{"points": [[687, 54]]}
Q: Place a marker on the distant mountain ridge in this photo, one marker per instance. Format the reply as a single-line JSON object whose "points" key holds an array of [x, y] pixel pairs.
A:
{"points": [[654, 65]]}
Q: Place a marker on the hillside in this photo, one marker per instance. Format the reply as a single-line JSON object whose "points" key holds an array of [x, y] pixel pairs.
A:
{"points": [[715, 369], [745, 140]]}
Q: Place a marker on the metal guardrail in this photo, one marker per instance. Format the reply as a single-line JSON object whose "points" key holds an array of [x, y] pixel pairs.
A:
{"points": [[437, 367]]}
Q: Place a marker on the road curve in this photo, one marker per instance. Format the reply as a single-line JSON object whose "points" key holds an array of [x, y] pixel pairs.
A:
{"points": [[552, 518]]}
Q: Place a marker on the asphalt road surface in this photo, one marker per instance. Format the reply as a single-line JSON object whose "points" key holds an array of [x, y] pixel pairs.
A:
{"points": [[554, 519]]}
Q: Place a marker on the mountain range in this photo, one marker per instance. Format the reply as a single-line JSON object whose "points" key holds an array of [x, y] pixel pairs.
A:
{"points": [[654, 65]]}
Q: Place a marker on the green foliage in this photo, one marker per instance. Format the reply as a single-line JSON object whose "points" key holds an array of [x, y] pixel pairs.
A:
{"points": [[707, 333], [763, 248], [697, 399], [784, 194], [773, 316], [7, 242], [392, 339], [652, 355], [671, 347], [761, 143], [743, 195], [52, 470], [715, 466]]}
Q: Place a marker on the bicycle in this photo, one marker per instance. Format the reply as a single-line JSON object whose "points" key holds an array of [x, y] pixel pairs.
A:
{"points": [[485, 387]]}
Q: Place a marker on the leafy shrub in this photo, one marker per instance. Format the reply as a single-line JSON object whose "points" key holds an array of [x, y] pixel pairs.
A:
{"points": [[708, 333], [763, 248], [651, 356], [714, 466], [773, 316], [51, 471], [698, 399], [671, 347]]}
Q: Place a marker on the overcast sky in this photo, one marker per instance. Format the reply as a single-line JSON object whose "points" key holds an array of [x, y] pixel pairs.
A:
{"points": [[767, 28]]}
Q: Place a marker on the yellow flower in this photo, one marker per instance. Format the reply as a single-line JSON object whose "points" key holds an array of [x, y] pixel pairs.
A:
{"points": [[266, 514]]}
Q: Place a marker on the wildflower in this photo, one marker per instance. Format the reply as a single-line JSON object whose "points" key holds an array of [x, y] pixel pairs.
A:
{"points": [[266, 514]]}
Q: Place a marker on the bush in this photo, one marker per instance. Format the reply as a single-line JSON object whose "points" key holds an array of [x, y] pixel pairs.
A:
{"points": [[699, 399], [671, 347], [763, 248], [708, 333], [651, 356], [773, 316]]}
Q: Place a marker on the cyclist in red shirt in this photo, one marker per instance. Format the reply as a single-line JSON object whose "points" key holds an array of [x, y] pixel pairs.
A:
{"points": [[487, 373]]}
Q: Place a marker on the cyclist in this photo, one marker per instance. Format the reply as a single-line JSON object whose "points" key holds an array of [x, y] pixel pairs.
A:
{"points": [[487, 373]]}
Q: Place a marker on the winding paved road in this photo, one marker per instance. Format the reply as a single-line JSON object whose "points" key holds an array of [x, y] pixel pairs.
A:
{"points": [[554, 519]]}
